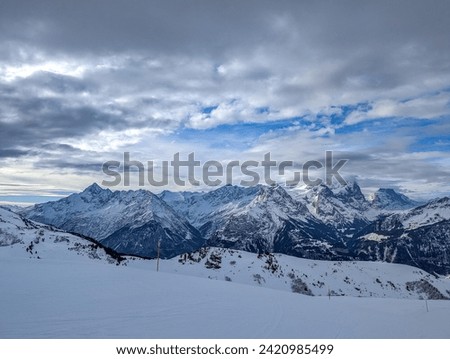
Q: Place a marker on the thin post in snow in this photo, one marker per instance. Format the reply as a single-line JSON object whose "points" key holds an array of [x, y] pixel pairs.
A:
{"points": [[158, 248], [426, 304]]}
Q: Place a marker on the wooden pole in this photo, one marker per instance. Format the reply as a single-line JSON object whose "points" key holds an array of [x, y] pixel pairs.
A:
{"points": [[158, 247]]}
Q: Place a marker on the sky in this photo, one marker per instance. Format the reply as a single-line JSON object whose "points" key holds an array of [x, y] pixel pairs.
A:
{"points": [[82, 82]]}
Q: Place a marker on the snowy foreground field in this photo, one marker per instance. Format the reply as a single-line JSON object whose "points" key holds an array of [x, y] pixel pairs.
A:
{"points": [[92, 299], [57, 285]]}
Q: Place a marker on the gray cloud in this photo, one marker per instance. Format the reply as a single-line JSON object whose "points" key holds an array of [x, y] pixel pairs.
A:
{"points": [[11, 153], [57, 164], [40, 120], [216, 27]]}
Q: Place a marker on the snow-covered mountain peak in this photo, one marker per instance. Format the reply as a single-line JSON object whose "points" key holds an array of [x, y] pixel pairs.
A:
{"points": [[232, 193], [169, 196], [323, 190], [275, 200], [95, 192], [389, 199], [94, 188], [342, 207], [351, 195], [272, 191]]}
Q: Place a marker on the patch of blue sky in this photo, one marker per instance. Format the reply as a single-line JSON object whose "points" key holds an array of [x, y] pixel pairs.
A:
{"points": [[384, 124], [263, 110], [412, 127], [237, 135], [432, 143], [242, 136], [28, 199], [209, 109]]}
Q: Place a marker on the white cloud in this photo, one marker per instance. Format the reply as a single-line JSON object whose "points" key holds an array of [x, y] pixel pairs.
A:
{"points": [[10, 72], [428, 107]]}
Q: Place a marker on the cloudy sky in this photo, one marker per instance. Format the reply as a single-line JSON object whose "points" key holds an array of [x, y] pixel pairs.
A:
{"points": [[81, 82]]}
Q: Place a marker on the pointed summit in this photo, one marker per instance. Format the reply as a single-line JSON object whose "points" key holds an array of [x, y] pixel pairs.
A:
{"points": [[351, 195], [94, 193], [93, 188], [387, 198]]}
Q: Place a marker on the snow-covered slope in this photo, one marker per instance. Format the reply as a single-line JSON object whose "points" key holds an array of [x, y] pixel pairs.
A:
{"points": [[14, 208], [311, 277], [419, 237], [430, 213], [130, 222], [22, 238], [51, 299]]}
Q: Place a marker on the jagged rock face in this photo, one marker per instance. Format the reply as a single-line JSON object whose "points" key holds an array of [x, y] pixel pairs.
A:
{"points": [[131, 222], [351, 195], [343, 208]]}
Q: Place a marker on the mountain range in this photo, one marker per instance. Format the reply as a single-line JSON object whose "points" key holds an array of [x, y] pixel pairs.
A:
{"points": [[129, 222], [326, 223]]}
